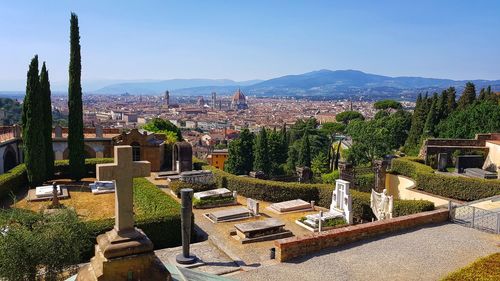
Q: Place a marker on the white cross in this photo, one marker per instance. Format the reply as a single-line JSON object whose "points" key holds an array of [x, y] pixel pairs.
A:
{"points": [[123, 171]]}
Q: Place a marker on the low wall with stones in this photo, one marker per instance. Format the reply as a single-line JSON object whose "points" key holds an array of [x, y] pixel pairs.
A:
{"points": [[293, 247]]}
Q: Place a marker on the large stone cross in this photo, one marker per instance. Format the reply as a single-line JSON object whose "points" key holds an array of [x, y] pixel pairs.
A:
{"points": [[123, 171]]}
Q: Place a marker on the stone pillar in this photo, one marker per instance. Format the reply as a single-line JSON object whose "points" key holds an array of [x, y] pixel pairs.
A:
{"points": [[380, 169], [186, 214]]}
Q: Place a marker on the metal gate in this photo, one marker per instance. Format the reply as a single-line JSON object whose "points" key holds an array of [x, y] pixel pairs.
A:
{"points": [[474, 217]]}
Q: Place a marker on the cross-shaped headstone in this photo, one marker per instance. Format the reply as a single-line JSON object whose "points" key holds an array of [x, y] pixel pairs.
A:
{"points": [[123, 171]]}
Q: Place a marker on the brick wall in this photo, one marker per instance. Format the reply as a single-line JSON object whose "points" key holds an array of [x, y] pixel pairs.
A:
{"points": [[293, 247]]}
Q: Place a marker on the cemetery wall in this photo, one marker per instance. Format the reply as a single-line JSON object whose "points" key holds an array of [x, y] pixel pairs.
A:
{"points": [[402, 187], [293, 247], [274, 191], [455, 187]]}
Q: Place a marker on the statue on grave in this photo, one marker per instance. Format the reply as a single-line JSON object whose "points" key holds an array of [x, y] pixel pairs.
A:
{"points": [[381, 204], [55, 197]]}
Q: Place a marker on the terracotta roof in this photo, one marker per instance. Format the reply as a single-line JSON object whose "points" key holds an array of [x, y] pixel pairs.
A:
{"points": [[238, 96]]}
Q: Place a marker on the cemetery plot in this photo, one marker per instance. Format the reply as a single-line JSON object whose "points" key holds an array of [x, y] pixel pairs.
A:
{"points": [[214, 198], [233, 214], [44, 193], [297, 205], [263, 230]]}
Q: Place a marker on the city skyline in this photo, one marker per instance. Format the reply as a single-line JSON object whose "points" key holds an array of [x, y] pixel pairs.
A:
{"points": [[245, 41]]}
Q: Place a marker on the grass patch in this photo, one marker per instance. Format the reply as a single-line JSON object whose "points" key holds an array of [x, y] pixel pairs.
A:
{"points": [[484, 269]]}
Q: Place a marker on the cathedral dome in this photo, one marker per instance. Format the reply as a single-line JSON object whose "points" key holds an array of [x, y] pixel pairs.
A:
{"points": [[239, 96]]}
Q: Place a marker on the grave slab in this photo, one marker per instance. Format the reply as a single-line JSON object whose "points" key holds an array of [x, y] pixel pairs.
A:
{"points": [[32, 197], [480, 173], [232, 214], [263, 230], [297, 205], [219, 192]]}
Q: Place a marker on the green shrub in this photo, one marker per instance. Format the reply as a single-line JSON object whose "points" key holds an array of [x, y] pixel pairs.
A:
{"points": [[176, 187], [273, 191], [158, 216], [61, 167], [13, 180], [197, 203], [365, 182], [198, 163], [460, 188], [330, 177], [39, 244]]}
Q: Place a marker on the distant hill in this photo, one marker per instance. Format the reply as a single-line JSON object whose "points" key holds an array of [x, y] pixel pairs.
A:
{"points": [[158, 87], [354, 82]]}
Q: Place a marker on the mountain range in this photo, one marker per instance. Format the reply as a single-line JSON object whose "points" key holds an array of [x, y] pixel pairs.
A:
{"points": [[321, 83]]}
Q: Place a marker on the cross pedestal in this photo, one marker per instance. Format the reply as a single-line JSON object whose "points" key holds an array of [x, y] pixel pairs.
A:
{"points": [[125, 252]]}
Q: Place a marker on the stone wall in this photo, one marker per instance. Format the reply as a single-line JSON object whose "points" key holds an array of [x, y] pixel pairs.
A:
{"points": [[293, 247]]}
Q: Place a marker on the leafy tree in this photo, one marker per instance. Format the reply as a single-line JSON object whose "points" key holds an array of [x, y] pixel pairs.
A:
{"points": [[468, 96], [12, 110], [304, 158], [75, 107], [301, 127], [369, 141], [320, 164], [33, 135], [240, 160], [387, 104], [347, 116], [41, 247], [262, 161], [331, 128], [482, 117], [162, 126], [398, 125], [46, 118]]}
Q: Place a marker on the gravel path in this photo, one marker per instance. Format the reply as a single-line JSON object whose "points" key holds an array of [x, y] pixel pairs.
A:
{"points": [[422, 254]]}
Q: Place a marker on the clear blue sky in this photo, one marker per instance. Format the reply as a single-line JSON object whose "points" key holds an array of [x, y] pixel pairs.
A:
{"points": [[242, 40]]}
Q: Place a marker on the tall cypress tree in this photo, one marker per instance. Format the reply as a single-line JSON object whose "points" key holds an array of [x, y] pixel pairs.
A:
{"points": [[442, 105], [75, 118], [432, 118], [417, 124], [262, 161], [305, 151], [452, 99], [46, 118], [468, 96], [33, 137]]}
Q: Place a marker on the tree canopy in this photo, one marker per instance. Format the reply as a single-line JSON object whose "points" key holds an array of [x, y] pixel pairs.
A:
{"points": [[387, 104], [162, 126], [347, 116]]}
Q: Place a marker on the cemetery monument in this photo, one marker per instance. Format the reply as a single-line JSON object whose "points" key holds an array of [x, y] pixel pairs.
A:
{"points": [[125, 252], [381, 204]]}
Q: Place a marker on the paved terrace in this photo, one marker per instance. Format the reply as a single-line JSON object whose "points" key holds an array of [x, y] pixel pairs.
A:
{"points": [[428, 253]]}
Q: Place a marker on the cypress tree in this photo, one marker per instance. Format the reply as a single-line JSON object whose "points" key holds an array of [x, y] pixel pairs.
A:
{"points": [[442, 105], [452, 99], [46, 118], [482, 95], [305, 152], [75, 118], [417, 124], [262, 161], [432, 118], [33, 137], [468, 96]]}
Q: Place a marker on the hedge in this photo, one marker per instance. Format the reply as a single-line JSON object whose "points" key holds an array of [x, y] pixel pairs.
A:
{"points": [[158, 215], [13, 180], [455, 187], [176, 187], [61, 167], [273, 191]]}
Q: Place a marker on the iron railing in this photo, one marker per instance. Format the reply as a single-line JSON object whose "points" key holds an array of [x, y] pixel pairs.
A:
{"points": [[474, 217]]}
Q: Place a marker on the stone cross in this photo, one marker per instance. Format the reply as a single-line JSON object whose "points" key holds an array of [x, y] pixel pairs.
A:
{"points": [[123, 171]]}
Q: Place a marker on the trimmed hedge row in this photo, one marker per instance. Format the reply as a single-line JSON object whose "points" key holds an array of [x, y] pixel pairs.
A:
{"points": [[273, 191], [13, 180], [61, 167], [460, 188], [176, 187], [158, 215]]}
